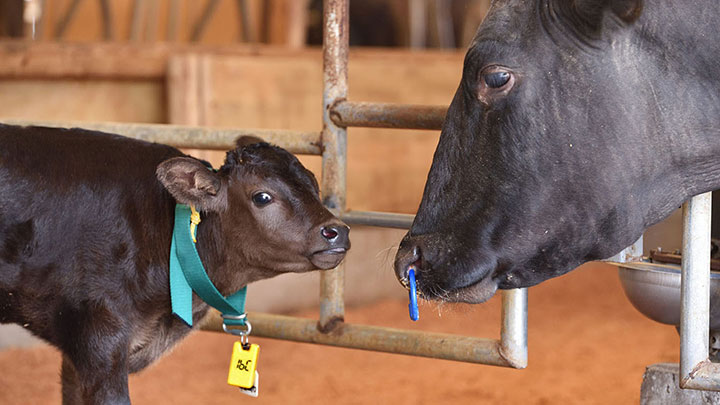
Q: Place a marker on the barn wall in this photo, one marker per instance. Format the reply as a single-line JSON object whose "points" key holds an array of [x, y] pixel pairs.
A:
{"points": [[83, 100]]}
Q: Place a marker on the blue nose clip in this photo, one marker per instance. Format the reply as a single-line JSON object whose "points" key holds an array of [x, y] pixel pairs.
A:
{"points": [[413, 306]]}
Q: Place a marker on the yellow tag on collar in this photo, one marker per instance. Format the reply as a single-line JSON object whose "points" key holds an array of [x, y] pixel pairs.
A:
{"points": [[243, 364], [194, 221]]}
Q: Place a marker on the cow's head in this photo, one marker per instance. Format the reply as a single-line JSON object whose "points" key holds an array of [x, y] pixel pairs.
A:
{"points": [[561, 146], [265, 206]]}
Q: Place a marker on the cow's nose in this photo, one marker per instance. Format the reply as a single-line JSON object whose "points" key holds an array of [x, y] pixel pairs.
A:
{"points": [[336, 234], [408, 255]]}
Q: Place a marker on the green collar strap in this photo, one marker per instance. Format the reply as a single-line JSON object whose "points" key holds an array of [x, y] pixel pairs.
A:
{"points": [[187, 274]]}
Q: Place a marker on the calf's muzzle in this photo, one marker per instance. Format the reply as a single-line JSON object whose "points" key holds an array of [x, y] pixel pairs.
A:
{"points": [[334, 242]]}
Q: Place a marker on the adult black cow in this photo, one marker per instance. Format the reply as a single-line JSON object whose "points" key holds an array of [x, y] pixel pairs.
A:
{"points": [[86, 223], [576, 126]]}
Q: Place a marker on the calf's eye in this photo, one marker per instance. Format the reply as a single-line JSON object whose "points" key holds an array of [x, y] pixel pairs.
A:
{"points": [[496, 80], [261, 199]]}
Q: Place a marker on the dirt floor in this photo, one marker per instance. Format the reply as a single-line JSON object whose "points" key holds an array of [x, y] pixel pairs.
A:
{"points": [[587, 345]]}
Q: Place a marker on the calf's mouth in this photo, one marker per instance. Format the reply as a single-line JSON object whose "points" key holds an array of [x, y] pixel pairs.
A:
{"points": [[333, 244], [329, 258]]}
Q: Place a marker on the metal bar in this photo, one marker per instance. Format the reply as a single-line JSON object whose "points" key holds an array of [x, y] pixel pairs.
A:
{"points": [[513, 334], [307, 143], [695, 370], [332, 299], [631, 253], [334, 141], [385, 115], [382, 219], [705, 376], [366, 337]]}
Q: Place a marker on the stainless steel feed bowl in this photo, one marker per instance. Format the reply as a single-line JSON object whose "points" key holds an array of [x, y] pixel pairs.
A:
{"points": [[654, 290]]}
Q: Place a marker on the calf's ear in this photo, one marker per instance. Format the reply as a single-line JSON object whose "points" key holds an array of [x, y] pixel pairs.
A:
{"points": [[246, 140], [190, 182]]}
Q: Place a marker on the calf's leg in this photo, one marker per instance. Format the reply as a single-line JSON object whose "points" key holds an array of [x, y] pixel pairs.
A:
{"points": [[95, 345], [96, 382], [71, 389]]}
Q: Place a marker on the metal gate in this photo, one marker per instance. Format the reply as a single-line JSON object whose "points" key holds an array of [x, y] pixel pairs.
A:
{"points": [[696, 369], [330, 329]]}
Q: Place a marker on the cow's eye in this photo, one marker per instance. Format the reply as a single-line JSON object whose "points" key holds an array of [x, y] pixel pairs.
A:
{"points": [[496, 80], [261, 199]]}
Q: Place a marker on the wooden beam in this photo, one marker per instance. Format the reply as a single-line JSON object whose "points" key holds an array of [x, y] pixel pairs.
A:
{"points": [[21, 59], [188, 84], [48, 60]]}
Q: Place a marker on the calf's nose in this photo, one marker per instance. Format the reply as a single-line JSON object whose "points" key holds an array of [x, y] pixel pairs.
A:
{"points": [[336, 234], [329, 232]]}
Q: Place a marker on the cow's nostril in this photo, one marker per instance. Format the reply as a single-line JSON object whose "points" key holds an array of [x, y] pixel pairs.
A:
{"points": [[417, 264], [329, 233]]}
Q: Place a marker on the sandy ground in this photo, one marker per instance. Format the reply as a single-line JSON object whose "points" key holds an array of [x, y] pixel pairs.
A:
{"points": [[587, 345]]}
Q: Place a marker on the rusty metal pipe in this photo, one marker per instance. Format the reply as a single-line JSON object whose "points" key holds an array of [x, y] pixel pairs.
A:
{"points": [[365, 337], [632, 253], [704, 376], [307, 143], [385, 115], [334, 142]]}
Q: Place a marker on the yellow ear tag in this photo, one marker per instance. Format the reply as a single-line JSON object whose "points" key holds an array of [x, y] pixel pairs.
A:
{"points": [[194, 221], [243, 364]]}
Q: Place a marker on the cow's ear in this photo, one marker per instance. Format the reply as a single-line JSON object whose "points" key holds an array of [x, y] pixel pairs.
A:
{"points": [[627, 10], [589, 14], [190, 182]]}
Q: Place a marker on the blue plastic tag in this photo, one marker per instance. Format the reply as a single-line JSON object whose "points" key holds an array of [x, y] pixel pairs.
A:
{"points": [[413, 306]]}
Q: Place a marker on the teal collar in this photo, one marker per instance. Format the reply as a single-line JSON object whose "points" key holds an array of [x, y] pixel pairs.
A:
{"points": [[187, 274]]}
